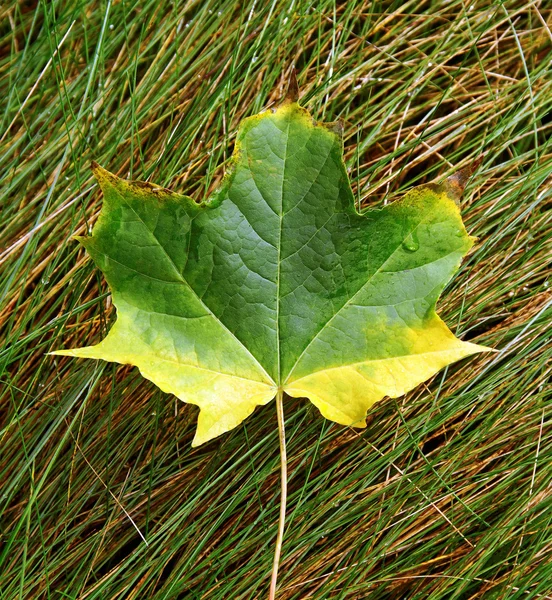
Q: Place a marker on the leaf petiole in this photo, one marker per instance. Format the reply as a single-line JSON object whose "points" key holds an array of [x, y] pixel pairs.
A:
{"points": [[283, 500]]}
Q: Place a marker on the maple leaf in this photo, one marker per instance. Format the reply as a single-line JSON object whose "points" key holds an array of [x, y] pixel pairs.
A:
{"points": [[276, 283]]}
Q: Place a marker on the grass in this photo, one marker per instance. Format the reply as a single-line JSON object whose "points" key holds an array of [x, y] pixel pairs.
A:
{"points": [[447, 494]]}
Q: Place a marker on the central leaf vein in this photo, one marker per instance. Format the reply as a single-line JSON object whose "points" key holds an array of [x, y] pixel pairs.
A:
{"points": [[279, 258]]}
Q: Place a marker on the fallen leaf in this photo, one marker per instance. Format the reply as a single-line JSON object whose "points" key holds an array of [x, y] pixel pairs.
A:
{"points": [[276, 282]]}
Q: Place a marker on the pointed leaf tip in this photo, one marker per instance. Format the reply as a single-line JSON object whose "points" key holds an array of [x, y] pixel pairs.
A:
{"points": [[336, 127], [99, 172], [292, 94], [104, 177], [456, 183]]}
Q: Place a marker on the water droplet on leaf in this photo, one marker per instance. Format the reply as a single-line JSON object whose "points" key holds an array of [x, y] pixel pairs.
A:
{"points": [[411, 243]]}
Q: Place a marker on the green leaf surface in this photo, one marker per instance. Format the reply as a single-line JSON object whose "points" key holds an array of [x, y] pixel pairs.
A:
{"points": [[276, 282]]}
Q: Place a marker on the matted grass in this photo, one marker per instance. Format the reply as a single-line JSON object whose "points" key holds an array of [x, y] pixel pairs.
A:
{"points": [[448, 492]]}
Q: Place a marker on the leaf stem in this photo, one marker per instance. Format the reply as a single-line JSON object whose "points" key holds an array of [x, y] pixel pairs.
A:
{"points": [[283, 499]]}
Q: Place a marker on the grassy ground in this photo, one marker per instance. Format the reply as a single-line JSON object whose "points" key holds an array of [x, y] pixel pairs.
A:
{"points": [[448, 492]]}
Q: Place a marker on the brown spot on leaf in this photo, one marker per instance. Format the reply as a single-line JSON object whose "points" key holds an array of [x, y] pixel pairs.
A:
{"points": [[455, 184]]}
